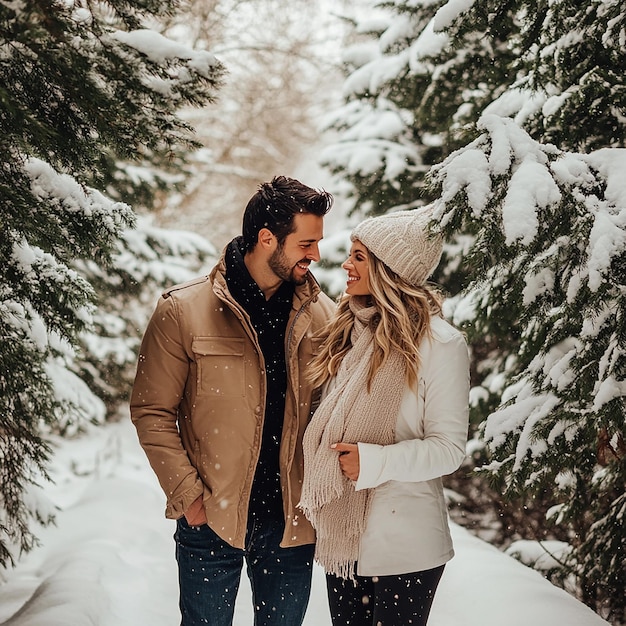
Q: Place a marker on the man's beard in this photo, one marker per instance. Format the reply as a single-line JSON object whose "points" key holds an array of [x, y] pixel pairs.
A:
{"points": [[279, 264]]}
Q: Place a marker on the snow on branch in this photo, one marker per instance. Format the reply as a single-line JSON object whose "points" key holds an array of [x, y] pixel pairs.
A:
{"points": [[60, 192], [161, 50], [526, 183], [450, 12], [549, 248], [375, 140]]}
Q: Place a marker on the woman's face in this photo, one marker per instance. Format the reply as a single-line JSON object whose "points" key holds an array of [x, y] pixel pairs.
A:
{"points": [[357, 267]]}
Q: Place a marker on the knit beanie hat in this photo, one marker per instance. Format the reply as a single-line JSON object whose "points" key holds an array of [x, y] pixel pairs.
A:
{"points": [[403, 242]]}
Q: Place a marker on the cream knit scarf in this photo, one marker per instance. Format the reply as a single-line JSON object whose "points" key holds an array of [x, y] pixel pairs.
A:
{"points": [[349, 414]]}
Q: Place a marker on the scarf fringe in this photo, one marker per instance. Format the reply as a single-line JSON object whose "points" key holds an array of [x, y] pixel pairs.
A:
{"points": [[337, 552], [318, 499], [341, 568]]}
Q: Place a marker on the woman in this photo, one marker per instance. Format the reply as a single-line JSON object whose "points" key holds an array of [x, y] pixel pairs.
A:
{"points": [[392, 421]]}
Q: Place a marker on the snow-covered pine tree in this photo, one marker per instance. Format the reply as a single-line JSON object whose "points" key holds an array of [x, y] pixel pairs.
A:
{"points": [[47, 220], [374, 149], [556, 70], [574, 62], [412, 94], [85, 87], [376, 154], [550, 228], [146, 259], [559, 222]]}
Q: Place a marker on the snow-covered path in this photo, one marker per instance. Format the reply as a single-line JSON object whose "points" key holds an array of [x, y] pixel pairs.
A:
{"points": [[110, 559]]}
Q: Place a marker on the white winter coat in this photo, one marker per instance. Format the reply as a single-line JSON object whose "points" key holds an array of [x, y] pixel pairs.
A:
{"points": [[407, 526]]}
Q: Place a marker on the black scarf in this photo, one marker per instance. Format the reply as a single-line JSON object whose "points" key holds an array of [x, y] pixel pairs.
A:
{"points": [[269, 319]]}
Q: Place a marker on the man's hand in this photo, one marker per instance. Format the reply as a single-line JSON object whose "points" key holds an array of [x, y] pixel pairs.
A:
{"points": [[348, 459], [195, 514]]}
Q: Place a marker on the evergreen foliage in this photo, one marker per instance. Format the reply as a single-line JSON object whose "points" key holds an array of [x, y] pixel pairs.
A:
{"points": [[560, 227], [517, 110], [84, 88], [145, 261]]}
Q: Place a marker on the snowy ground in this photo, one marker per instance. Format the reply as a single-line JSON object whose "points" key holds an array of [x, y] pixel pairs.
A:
{"points": [[110, 559]]}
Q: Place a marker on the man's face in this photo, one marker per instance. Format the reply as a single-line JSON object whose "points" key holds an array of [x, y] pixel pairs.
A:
{"points": [[291, 259]]}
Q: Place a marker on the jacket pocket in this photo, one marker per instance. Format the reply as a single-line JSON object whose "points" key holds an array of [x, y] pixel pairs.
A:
{"points": [[220, 366]]}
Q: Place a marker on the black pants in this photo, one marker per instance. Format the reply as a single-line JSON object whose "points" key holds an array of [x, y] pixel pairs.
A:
{"points": [[383, 600]]}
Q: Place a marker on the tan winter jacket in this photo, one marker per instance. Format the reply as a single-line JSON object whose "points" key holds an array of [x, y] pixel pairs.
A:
{"points": [[198, 402]]}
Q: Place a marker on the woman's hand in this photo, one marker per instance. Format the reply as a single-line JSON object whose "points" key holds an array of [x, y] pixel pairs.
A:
{"points": [[348, 459]]}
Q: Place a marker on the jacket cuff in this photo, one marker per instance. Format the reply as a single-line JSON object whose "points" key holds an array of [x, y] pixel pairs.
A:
{"points": [[176, 508], [370, 465]]}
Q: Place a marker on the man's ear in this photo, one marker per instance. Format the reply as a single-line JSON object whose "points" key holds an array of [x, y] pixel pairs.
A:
{"points": [[266, 239]]}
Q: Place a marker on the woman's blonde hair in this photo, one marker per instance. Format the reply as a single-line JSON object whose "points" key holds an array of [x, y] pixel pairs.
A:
{"points": [[401, 322]]}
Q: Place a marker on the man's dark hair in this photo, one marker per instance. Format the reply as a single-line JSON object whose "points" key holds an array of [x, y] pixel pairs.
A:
{"points": [[274, 205]]}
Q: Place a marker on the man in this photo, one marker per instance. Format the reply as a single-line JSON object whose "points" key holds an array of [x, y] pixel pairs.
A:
{"points": [[221, 401]]}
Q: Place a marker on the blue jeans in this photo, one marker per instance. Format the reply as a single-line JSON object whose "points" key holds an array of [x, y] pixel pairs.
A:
{"points": [[209, 571]]}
